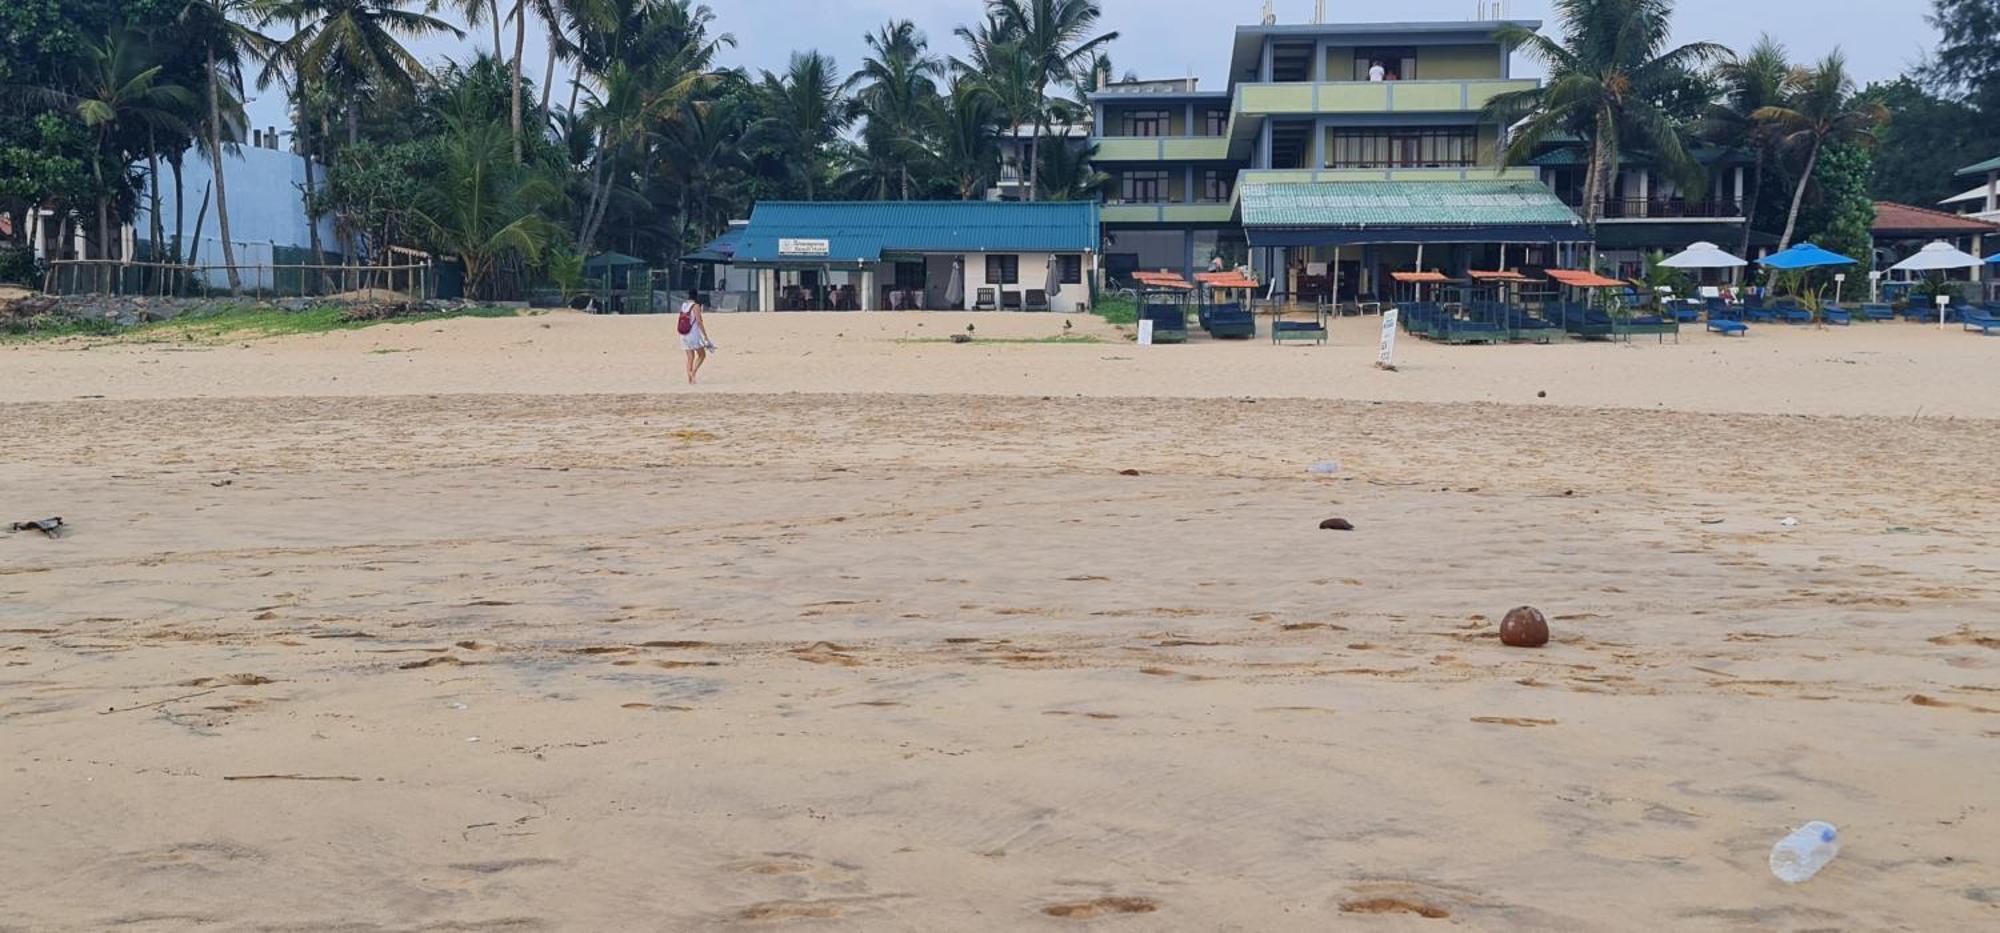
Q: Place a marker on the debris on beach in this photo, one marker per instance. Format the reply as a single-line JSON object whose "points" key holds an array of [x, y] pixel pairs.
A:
{"points": [[1128, 472], [1324, 468], [1524, 627], [49, 527], [1789, 522], [1336, 524]]}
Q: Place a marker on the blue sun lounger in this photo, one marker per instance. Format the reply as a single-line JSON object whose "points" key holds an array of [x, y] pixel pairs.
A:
{"points": [[1834, 314], [1982, 321], [1727, 326], [1878, 312]]}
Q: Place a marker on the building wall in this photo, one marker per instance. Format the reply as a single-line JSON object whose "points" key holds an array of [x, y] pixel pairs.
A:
{"points": [[1458, 62], [1072, 298], [267, 216]]}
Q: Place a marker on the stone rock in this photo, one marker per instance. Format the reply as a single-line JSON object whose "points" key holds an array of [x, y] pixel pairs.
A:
{"points": [[1336, 524]]}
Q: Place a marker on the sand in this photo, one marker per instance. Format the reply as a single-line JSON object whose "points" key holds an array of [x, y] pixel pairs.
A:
{"points": [[508, 630]]}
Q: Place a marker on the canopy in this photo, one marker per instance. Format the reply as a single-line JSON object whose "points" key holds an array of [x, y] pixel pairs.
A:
{"points": [[1502, 275], [603, 261], [1420, 278], [1327, 213], [1226, 280], [1702, 255], [1805, 256], [1939, 255], [1579, 278], [1161, 280]]}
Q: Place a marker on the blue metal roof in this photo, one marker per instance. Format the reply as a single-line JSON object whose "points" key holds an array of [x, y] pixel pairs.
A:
{"points": [[861, 231]]}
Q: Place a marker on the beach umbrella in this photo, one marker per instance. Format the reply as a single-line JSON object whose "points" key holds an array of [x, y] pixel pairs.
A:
{"points": [[954, 289], [1805, 256], [1054, 284], [1702, 256], [1937, 256]]}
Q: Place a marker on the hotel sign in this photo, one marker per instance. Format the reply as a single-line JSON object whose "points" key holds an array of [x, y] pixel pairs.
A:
{"points": [[798, 247]]}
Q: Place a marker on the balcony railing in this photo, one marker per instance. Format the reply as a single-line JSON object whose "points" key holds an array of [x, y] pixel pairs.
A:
{"points": [[1662, 208]]}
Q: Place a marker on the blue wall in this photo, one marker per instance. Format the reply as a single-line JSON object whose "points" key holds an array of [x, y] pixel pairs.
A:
{"points": [[266, 206]]}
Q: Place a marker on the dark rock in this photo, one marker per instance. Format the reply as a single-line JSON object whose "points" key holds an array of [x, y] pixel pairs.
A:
{"points": [[1336, 524]]}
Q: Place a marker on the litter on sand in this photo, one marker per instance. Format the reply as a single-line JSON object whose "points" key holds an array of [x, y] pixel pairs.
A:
{"points": [[51, 527]]}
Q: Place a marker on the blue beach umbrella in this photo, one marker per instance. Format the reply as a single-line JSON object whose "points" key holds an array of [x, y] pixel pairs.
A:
{"points": [[1805, 256]]}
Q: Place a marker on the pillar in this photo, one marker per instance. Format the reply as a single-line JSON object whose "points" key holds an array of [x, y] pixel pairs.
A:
{"points": [[1645, 191], [1318, 146], [1993, 191], [1264, 67], [767, 289], [867, 301], [1742, 208]]}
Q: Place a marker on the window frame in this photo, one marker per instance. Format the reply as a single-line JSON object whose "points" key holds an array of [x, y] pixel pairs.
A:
{"points": [[1069, 268], [1130, 180], [1402, 147], [1008, 269], [1157, 123]]}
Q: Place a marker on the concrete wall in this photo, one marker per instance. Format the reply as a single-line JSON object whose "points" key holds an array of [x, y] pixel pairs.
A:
{"points": [[1073, 298], [266, 207], [1457, 62]]}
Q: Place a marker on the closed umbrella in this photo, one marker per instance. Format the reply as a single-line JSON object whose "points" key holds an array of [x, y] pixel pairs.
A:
{"points": [[1054, 284], [1937, 256], [1702, 256], [954, 289]]}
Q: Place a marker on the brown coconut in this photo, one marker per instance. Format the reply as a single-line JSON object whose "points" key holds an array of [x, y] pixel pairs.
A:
{"points": [[1524, 627]]}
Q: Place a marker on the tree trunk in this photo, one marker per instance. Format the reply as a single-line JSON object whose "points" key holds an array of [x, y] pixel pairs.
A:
{"points": [[215, 163], [575, 87], [353, 122], [155, 228], [312, 190], [520, 43], [180, 209], [494, 7], [548, 79], [1799, 197], [1035, 161], [1749, 207]]}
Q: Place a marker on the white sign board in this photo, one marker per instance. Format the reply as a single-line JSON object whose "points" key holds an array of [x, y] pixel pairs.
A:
{"points": [[1386, 355], [796, 247], [1146, 332]]}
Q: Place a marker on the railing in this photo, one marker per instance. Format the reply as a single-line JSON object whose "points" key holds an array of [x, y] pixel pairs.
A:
{"points": [[1663, 208], [165, 280]]}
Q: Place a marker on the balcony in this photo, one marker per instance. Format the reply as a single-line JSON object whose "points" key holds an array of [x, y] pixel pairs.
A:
{"points": [[1475, 173], [1448, 96], [1161, 148], [1663, 208], [1129, 212]]}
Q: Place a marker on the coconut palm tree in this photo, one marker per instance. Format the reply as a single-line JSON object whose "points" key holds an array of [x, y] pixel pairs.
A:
{"points": [[1068, 175], [355, 45], [483, 207], [804, 111], [226, 41], [1607, 77], [119, 96], [1750, 83], [1054, 36], [1821, 110], [963, 145], [898, 81], [1005, 76]]}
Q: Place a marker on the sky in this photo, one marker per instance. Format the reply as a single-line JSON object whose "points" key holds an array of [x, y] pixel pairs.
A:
{"points": [[1173, 38]]}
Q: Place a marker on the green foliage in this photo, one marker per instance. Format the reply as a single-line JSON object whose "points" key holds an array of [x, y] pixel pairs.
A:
{"points": [[1926, 140], [230, 321], [1968, 55], [1117, 309], [1843, 178], [18, 266]]}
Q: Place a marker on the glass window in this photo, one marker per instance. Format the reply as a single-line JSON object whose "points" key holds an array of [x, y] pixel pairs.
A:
{"points": [[1069, 270], [1143, 187], [1216, 184], [1218, 122], [1003, 269], [909, 275], [1398, 64], [1411, 147], [1146, 123]]}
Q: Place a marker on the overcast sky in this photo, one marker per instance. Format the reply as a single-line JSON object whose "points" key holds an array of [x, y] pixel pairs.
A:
{"points": [[1171, 38]]}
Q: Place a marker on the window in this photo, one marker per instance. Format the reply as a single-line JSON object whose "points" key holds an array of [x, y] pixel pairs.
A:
{"points": [[1143, 187], [1147, 123], [1399, 63], [1218, 122], [1415, 147], [909, 275], [1003, 270], [1069, 270], [1216, 184]]}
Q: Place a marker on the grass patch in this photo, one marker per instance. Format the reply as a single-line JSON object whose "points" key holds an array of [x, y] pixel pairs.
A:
{"points": [[1117, 310], [232, 321]]}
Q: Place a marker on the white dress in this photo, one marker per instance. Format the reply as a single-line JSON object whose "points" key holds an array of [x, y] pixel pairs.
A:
{"points": [[694, 339]]}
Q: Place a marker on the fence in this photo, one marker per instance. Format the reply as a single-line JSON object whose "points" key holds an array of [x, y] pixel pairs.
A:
{"points": [[263, 280]]}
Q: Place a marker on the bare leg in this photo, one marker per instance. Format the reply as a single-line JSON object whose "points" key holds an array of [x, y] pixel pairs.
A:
{"points": [[700, 357], [691, 366]]}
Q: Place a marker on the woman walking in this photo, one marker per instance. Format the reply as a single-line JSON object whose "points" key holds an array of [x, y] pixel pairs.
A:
{"points": [[694, 334]]}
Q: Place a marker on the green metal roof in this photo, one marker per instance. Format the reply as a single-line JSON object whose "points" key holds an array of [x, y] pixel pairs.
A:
{"points": [[1577, 155], [1404, 204], [861, 231], [1990, 165]]}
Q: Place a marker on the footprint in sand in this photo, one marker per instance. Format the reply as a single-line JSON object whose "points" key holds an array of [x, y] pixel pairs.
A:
{"points": [[1393, 905], [1099, 907], [1514, 721]]}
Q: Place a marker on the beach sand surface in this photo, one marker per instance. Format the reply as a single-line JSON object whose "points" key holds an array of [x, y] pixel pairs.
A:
{"points": [[510, 631]]}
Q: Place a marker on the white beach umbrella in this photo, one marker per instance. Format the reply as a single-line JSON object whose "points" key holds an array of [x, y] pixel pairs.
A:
{"points": [[1702, 255], [954, 288], [1937, 256]]}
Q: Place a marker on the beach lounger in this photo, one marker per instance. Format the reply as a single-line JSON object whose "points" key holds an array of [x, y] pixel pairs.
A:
{"points": [[1010, 301], [1524, 326], [1981, 321], [1755, 312], [1835, 314], [1038, 300], [986, 299], [1878, 312], [1592, 324], [1652, 324], [1169, 323], [1299, 328], [1228, 320], [1726, 326]]}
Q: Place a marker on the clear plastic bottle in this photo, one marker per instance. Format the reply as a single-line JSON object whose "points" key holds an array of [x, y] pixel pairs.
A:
{"points": [[1802, 854]]}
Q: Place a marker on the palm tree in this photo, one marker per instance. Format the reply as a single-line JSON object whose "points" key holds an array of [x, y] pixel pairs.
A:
{"points": [[119, 94], [1051, 35], [1750, 83], [225, 43], [703, 153], [803, 113], [483, 207], [1068, 175], [963, 145], [1821, 110], [1005, 75], [1606, 80], [899, 76], [355, 45]]}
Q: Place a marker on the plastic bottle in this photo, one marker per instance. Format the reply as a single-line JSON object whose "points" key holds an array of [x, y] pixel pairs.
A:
{"points": [[1802, 854]]}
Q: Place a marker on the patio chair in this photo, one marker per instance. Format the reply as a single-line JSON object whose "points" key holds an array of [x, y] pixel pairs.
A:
{"points": [[1038, 300], [987, 298], [1010, 301]]}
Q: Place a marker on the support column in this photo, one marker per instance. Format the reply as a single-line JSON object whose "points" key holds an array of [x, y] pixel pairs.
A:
{"points": [[1318, 146], [1264, 66], [1645, 192], [867, 301], [1992, 191], [767, 289]]}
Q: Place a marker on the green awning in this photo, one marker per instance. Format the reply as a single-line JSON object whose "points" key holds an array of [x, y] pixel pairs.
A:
{"points": [[1335, 212]]}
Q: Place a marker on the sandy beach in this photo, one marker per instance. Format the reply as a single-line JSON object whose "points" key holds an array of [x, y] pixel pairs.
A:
{"points": [[491, 624]]}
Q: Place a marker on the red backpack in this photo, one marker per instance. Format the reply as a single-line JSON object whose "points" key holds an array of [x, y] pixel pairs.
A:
{"points": [[686, 324]]}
